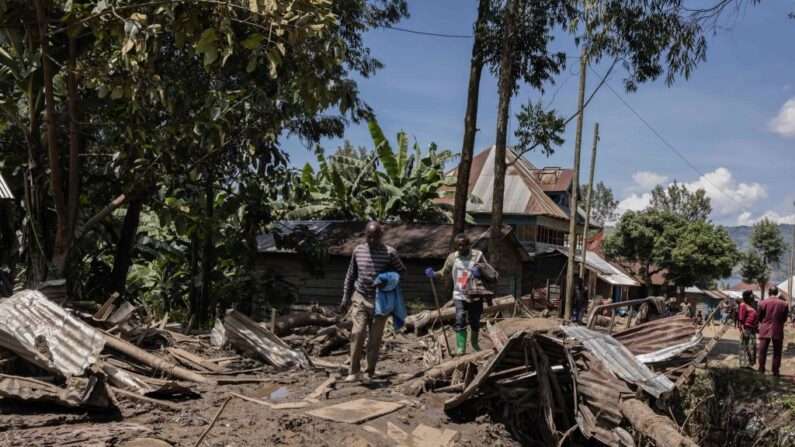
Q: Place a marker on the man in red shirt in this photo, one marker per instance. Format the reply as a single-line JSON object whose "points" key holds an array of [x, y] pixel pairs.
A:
{"points": [[772, 316]]}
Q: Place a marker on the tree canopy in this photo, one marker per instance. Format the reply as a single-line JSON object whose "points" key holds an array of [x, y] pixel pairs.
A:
{"points": [[678, 199]]}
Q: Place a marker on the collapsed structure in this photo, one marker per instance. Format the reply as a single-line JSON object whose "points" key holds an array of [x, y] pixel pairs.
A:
{"points": [[570, 380]]}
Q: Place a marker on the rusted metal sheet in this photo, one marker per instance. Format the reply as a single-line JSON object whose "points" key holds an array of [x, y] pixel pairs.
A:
{"points": [[620, 360], [47, 335], [79, 392], [600, 393], [657, 334], [246, 334]]}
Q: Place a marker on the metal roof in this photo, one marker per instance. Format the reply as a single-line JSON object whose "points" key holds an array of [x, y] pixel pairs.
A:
{"points": [[607, 271], [657, 334], [411, 240], [5, 191], [620, 360], [47, 335], [523, 192]]}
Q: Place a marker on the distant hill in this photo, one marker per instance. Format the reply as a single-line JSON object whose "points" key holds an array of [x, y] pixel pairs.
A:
{"points": [[740, 235]]}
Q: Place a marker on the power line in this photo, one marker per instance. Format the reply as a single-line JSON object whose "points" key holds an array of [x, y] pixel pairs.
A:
{"points": [[426, 33], [670, 146]]}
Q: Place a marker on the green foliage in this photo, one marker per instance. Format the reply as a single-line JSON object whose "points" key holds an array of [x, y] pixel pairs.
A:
{"points": [[603, 204], [766, 248], [353, 188], [677, 199], [702, 254], [538, 127], [690, 252], [182, 105]]}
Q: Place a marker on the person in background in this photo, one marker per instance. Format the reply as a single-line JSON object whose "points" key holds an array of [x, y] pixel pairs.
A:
{"points": [[464, 264], [367, 262], [748, 329], [580, 301], [686, 308], [772, 315], [699, 318]]}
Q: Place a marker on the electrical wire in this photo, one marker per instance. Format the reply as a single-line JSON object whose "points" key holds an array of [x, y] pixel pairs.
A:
{"points": [[670, 146], [425, 33]]}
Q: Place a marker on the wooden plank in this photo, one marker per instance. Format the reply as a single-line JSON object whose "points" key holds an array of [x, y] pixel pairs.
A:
{"points": [[201, 361], [356, 411], [106, 308]]}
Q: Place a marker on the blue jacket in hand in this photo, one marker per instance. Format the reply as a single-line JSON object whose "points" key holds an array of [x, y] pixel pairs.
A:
{"points": [[389, 299]]}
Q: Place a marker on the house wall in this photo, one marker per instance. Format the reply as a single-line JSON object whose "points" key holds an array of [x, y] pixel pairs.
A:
{"points": [[416, 288]]}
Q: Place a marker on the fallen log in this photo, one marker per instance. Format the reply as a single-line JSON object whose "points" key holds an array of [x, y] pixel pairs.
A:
{"points": [[439, 372], [651, 425], [425, 318], [285, 324], [152, 361]]}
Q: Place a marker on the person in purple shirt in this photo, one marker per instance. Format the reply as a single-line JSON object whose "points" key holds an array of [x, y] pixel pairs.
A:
{"points": [[772, 315]]}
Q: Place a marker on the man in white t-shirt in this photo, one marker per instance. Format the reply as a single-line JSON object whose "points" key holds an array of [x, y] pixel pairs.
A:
{"points": [[465, 264]]}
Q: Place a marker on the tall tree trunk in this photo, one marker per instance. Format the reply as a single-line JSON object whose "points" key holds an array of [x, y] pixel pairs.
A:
{"points": [[193, 297], [575, 190], [505, 86], [74, 149], [35, 187], [207, 255], [123, 258], [61, 247], [470, 123]]}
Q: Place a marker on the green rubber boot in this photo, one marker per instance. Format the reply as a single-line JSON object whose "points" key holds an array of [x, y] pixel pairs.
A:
{"points": [[473, 340], [460, 342]]}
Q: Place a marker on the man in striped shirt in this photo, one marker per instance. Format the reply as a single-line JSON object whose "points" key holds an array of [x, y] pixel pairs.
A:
{"points": [[367, 261]]}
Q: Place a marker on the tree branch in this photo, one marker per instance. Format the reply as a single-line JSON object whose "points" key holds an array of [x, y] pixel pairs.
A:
{"points": [[569, 119]]}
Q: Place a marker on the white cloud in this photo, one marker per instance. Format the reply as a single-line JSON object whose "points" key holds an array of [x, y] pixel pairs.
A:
{"points": [[747, 218], [648, 180], [784, 123], [727, 195], [634, 202]]}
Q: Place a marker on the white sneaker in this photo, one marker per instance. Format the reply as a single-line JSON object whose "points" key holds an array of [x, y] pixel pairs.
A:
{"points": [[368, 377], [354, 377]]}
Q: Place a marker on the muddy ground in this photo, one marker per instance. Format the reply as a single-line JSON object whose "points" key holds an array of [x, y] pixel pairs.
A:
{"points": [[244, 423], [755, 405]]}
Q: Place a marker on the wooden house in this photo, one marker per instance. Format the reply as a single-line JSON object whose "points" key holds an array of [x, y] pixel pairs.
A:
{"points": [[419, 245], [537, 201]]}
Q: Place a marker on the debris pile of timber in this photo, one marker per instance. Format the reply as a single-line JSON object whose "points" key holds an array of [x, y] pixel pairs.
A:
{"points": [[550, 383]]}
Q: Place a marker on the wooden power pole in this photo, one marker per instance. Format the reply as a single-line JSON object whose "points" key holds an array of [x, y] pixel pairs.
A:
{"points": [[575, 185], [790, 269], [588, 199]]}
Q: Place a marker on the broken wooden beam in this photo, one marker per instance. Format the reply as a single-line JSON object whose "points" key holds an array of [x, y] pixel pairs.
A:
{"points": [[659, 429], [439, 372], [152, 361], [426, 318]]}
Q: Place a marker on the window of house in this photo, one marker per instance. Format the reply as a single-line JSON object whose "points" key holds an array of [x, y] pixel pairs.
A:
{"points": [[553, 237]]}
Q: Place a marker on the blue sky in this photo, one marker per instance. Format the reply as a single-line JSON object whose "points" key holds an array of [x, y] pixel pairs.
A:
{"points": [[734, 119]]}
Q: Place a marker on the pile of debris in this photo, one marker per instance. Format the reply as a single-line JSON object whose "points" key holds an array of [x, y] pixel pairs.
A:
{"points": [[88, 361], [547, 382]]}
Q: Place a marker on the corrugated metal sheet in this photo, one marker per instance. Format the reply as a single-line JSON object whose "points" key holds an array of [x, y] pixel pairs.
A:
{"points": [[657, 334], [79, 392], [554, 179], [670, 352], [5, 191], [244, 333], [620, 360], [607, 271], [411, 240], [47, 335]]}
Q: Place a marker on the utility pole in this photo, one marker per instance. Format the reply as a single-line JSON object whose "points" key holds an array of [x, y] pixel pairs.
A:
{"points": [[575, 185], [790, 268], [589, 198]]}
